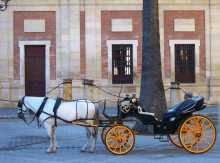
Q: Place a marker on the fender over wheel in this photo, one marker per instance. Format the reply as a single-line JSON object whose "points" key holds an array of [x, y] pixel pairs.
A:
{"points": [[197, 134], [119, 140]]}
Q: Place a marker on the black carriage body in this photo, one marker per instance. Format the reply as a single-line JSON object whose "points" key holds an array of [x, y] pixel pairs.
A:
{"points": [[172, 119]]}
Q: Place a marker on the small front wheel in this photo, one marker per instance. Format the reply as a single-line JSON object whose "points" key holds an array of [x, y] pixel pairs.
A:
{"points": [[197, 134], [119, 140]]}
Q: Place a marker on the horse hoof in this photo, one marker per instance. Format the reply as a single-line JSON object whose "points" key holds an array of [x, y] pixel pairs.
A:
{"points": [[83, 150], [51, 151], [91, 151]]}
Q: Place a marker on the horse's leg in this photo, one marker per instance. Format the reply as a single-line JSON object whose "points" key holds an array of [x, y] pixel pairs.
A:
{"points": [[93, 138], [54, 138], [49, 125], [85, 147]]}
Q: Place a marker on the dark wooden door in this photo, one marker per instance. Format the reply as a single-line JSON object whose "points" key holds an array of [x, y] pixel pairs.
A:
{"points": [[122, 64], [185, 63], [35, 70]]}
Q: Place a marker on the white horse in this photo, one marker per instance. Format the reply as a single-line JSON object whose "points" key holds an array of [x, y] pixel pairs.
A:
{"points": [[67, 111]]}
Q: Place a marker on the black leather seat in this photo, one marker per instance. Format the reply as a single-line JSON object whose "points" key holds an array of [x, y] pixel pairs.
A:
{"points": [[189, 105]]}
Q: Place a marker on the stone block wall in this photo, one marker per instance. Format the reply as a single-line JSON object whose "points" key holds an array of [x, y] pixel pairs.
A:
{"points": [[78, 48]]}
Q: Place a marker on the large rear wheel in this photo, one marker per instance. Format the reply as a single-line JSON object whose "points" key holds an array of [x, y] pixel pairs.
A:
{"points": [[197, 134], [119, 140]]}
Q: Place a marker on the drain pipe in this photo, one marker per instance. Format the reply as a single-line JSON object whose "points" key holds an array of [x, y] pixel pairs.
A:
{"points": [[210, 54], [85, 95], [218, 129]]}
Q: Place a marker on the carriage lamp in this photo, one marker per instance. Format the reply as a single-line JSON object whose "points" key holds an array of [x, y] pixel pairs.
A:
{"points": [[134, 100], [3, 4]]}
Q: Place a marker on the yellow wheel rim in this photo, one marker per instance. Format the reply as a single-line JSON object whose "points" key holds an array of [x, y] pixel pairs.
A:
{"points": [[104, 131], [197, 134], [174, 139], [119, 140]]}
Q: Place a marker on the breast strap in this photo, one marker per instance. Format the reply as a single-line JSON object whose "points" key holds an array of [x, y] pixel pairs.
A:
{"points": [[41, 108], [55, 108]]}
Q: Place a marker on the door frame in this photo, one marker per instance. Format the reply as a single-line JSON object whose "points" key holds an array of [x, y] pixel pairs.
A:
{"points": [[172, 44], [134, 44], [47, 45]]}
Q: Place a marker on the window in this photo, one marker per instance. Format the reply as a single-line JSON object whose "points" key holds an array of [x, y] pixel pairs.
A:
{"points": [[122, 64], [185, 63]]}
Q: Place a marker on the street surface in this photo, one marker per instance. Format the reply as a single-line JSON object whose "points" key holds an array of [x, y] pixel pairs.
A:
{"points": [[27, 144]]}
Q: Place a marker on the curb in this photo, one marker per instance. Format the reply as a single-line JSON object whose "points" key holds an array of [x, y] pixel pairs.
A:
{"points": [[8, 113], [8, 117]]}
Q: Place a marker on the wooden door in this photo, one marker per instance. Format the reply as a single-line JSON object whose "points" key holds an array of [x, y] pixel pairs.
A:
{"points": [[35, 70], [122, 64], [185, 63]]}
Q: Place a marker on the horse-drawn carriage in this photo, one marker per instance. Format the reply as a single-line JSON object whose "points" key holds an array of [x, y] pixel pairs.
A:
{"points": [[195, 133]]}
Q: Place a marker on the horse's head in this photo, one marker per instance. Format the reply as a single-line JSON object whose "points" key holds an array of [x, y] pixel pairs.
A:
{"points": [[22, 109]]}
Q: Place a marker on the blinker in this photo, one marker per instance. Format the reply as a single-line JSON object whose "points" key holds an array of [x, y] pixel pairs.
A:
{"points": [[21, 116]]}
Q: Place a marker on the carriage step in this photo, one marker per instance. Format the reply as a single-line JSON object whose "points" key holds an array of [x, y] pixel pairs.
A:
{"points": [[161, 138]]}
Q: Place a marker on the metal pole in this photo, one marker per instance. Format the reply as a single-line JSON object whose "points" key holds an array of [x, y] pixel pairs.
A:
{"points": [[218, 129], [82, 8], [174, 86]]}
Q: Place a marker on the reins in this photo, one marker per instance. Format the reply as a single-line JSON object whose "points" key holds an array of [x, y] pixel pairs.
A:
{"points": [[84, 83], [90, 83], [40, 110]]}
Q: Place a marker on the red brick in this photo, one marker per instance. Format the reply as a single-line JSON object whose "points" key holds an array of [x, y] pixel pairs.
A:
{"points": [[107, 34], [169, 34]]}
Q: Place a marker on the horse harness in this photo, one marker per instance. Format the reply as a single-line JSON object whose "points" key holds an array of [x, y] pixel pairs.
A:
{"points": [[40, 110], [55, 109]]}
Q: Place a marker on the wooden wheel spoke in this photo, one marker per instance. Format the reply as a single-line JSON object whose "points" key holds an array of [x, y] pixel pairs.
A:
{"points": [[197, 121], [186, 128], [209, 125]]}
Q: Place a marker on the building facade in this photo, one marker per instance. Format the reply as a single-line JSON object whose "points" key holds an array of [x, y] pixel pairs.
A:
{"points": [[45, 42]]}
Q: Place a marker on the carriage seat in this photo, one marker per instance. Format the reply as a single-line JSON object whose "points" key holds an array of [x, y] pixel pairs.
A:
{"points": [[190, 105]]}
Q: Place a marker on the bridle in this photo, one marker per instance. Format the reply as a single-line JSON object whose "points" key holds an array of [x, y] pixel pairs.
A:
{"points": [[21, 112]]}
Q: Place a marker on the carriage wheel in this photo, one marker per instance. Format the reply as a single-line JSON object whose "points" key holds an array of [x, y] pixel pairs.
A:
{"points": [[174, 139], [197, 134], [119, 140], [104, 131]]}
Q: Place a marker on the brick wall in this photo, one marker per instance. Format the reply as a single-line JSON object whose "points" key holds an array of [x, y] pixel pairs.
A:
{"points": [[107, 34], [170, 34]]}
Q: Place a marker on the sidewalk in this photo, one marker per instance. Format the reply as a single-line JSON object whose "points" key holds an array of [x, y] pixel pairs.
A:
{"points": [[25, 144], [8, 113]]}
